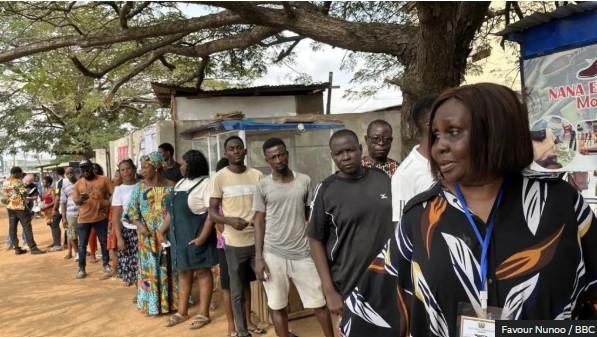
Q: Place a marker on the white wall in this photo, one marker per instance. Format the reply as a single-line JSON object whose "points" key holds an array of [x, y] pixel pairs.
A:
{"points": [[252, 107]]}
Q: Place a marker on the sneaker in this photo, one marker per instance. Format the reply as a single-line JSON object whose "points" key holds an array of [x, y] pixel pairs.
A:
{"points": [[19, 251], [107, 269], [36, 251], [54, 248], [81, 274], [77, 257]]}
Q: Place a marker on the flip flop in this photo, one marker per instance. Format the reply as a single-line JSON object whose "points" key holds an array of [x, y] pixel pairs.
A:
{"points": [[257, 330], [176, 319], [199, 321]]}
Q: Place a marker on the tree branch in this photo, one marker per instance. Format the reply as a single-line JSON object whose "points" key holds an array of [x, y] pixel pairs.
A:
{"points": [[366, 37], [162, 29], [242, 40], [167, 64], [286, 52], [51, 114], [280, 40], [155, 55], [123, 14], [124, 59], [517, 10], [201, 72], [138, 9]]}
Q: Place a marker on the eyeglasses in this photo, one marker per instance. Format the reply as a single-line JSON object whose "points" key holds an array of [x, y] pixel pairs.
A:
{"points": [[380, 140]]}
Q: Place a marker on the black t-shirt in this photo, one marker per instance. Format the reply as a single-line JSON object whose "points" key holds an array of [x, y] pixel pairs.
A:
{"points": [[31, 191], [172, 173], [353, 220]]}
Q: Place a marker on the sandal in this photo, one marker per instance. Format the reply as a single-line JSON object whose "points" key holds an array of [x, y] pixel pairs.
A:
{"points": [[257, 330], [176, 319], [199, 321]]}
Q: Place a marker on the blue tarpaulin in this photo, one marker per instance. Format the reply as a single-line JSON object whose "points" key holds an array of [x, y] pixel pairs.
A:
{"points": [[252, 125]]}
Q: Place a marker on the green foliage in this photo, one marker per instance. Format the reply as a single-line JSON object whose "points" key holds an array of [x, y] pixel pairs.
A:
{"points": [[49, 106]]}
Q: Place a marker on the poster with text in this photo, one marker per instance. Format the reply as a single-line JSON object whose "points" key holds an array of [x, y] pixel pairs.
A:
{"points": [[561, 95]]}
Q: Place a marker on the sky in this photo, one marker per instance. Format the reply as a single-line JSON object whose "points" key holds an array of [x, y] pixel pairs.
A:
{"points": [[318, 64]]}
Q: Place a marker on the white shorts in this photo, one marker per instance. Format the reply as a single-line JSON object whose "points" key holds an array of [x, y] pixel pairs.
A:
{"points": [[303, 275]]}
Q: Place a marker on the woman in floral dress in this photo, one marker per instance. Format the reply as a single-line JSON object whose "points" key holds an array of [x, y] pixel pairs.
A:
{"points": [[156, 283]]}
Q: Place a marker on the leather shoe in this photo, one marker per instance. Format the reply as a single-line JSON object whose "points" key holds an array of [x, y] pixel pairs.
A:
{"points": [[37, 251], [19, 251]]}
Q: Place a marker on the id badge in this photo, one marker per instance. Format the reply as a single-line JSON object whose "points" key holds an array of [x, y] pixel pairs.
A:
{"points": [[476, 327], [474, 323]]}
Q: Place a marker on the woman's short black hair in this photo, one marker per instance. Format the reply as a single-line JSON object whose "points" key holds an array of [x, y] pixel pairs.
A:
{"points": [[500, 140], [197, 165], [48, 180], [129, 162]]}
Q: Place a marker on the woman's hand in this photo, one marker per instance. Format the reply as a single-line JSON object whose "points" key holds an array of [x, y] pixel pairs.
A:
{"points": [[142, 230], [120, 244], [197, 241]]}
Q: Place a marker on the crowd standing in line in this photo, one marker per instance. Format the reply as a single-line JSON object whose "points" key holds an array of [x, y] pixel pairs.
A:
{"points": [[458, 231]]}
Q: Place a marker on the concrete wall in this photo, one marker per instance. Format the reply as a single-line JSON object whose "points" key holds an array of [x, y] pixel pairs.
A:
{"points": [[309, 104], [252, 107], [168, 131], [358, 123]]}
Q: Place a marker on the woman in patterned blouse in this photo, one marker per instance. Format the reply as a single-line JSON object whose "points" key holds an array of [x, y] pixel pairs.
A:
{"points": [[486, 241]]}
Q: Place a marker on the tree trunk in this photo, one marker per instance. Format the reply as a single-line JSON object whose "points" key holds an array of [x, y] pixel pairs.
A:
{"points": [[446, 31]]}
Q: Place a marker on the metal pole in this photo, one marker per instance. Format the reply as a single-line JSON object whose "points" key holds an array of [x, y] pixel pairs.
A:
{"points": [[329, 103]]}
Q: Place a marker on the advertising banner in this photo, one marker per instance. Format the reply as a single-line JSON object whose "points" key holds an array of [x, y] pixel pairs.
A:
{"points": [[561, 95]]}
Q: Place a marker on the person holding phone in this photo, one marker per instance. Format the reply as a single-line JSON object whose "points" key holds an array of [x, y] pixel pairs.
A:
{"points": [[92, 194]]}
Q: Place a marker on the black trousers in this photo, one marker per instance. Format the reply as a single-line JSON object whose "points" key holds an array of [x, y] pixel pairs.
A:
{"points": [[55, 226], [101, 228], [24, 217]]}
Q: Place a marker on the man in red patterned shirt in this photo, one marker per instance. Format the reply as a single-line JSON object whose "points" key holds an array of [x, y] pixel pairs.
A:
{"points": [[379, 142]]}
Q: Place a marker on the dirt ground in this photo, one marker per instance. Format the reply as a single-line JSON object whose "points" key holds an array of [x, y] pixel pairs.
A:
{"points": [[39, 296]]}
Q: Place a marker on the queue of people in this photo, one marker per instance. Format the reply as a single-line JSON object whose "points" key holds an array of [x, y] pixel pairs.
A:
{"points": [[458, 232]]}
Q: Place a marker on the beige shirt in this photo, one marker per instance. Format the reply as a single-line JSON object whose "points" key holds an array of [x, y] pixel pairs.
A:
{"points": [[236, 191]]}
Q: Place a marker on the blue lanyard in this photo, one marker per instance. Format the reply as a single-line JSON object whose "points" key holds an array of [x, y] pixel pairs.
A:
{"points": [[484, 241]]}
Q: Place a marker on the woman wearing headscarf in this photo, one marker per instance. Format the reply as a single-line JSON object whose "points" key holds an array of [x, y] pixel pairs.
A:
{"points": [[192, 236], [156, 286]]}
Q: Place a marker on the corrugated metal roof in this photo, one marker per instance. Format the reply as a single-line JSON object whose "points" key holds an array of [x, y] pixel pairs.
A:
{"points": [[163, 91], [538, 18]]}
